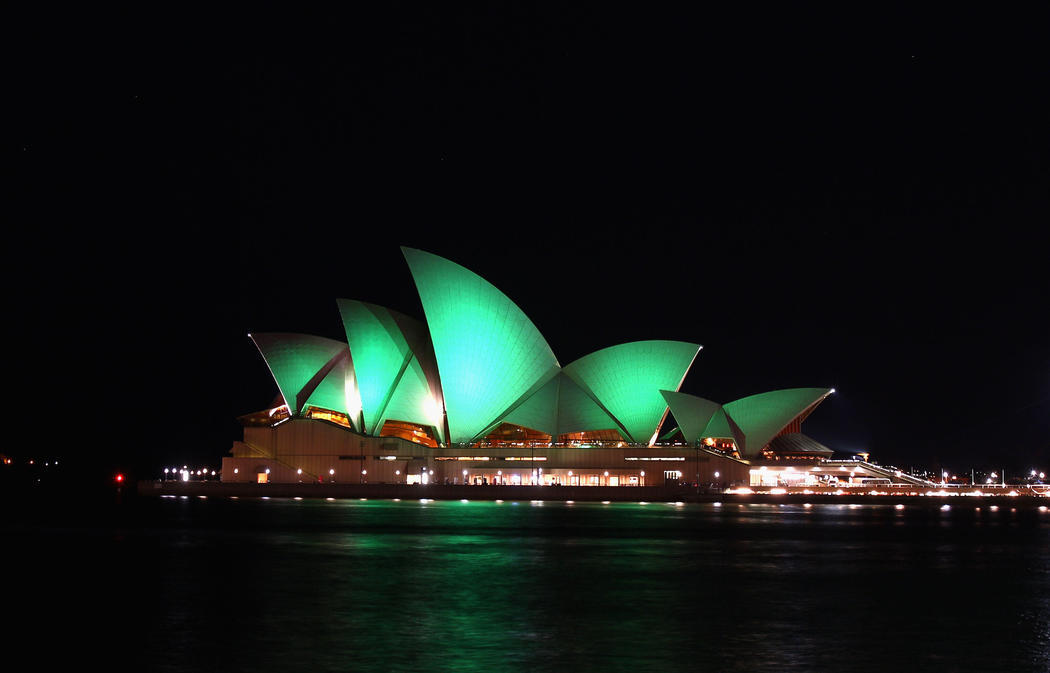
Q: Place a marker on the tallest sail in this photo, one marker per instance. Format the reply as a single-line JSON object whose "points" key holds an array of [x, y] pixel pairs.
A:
{"points": [[489, 354]]}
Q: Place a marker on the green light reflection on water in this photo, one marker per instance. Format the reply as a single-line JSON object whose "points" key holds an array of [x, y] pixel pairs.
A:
{"points": [[445, 585]]}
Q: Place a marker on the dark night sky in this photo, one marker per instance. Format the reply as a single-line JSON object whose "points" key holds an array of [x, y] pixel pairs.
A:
{"points": [[855, 200]]}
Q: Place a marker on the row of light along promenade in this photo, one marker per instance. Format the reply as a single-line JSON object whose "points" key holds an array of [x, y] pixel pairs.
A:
{"points": [[667, 493]]}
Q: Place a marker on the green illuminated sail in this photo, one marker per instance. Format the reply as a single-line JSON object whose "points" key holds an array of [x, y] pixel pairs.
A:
{"points": [[298, 362], [489, 354], [692, 413], [627, 379], [381, 355], [540, 410], [718, 426], [336, 391], [760, 417], [578, 412], [412, 402]]}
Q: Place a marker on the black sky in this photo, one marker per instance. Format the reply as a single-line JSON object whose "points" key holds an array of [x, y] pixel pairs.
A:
{"points": [[854, 198]]}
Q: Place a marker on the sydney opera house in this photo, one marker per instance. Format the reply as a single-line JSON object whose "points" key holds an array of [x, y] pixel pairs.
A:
{"points": [[476, 395]]}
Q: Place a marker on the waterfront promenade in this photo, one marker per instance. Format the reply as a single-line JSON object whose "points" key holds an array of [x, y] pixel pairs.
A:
{"points": [[1021, 495]]}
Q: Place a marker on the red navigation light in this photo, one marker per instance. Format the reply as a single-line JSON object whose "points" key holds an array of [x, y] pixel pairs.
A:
{"points": [[119, 478]]}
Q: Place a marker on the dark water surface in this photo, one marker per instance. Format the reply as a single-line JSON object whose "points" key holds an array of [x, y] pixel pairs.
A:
{"points": [[177, 584]]}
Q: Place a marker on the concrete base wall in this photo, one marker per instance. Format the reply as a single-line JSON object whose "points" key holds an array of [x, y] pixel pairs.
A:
{"points": [[327, 453]]}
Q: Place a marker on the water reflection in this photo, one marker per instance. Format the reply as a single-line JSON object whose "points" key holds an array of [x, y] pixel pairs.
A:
{"points": [[248, 585]]}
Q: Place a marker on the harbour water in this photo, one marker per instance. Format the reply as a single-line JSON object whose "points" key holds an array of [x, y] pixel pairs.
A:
{"points": [[221, 584]]}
